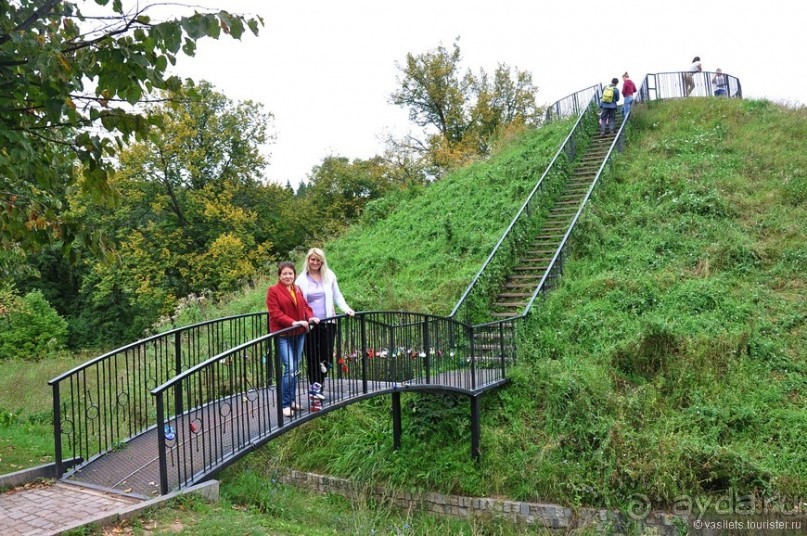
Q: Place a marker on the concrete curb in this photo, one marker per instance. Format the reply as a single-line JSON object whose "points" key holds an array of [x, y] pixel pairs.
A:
{"points": [[208, 490]]}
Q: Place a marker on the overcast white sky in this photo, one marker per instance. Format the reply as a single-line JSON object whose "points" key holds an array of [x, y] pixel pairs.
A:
{"points": [[326, 69]]}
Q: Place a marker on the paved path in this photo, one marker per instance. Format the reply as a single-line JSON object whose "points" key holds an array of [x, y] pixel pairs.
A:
{"points": [[49, 508]]}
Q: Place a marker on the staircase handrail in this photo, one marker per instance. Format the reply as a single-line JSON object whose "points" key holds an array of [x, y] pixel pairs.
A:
{"points": [[572, 104]]}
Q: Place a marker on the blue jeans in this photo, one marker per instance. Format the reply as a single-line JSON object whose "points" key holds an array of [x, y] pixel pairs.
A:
{"points": [[626, 106], [291, 350]]}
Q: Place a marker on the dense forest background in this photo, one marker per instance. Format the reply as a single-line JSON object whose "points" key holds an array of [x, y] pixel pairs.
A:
{"points": [[124, 201]]}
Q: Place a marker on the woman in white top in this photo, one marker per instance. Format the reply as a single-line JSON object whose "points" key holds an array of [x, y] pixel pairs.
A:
{"points": [[696, 67], [321, 291]]}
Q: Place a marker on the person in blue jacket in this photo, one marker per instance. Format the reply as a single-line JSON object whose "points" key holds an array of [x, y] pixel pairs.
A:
{"points": [[610, 96]]}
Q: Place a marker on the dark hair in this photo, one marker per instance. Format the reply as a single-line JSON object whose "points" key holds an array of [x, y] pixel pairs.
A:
{"points": [[696, 58], [615, 81], [285, 264]]}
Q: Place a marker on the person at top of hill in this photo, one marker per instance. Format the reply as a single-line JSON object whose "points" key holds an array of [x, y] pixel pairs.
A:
{"points": [[321, 290], [628, 90], [610, 96], [689, 80], [287, 308], [720, 83]]}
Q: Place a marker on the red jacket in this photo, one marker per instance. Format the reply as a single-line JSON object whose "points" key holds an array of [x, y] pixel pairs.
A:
{"points": [[282, 310], [628, 88]]}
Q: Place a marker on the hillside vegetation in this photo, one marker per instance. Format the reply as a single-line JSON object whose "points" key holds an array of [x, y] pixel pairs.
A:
{"points": [[669, 362]]}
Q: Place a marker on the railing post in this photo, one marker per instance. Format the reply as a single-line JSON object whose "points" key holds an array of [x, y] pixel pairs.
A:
{"points": [[267, 364], [473, 359], [279, 382], [427, 344], [163, 461], [393, 358], [178, 371], [396, 420], [363, 324], [57, 430], [501, 347]]}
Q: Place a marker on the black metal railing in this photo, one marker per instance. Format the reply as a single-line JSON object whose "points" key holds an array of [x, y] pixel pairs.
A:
{"points": [[475, 301], [573, 104], [222, 408], [102, 403], [504, 255], [673, 85]]}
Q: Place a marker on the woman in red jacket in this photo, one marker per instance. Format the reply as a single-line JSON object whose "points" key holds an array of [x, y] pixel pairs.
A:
{"points": [[287, 308]]}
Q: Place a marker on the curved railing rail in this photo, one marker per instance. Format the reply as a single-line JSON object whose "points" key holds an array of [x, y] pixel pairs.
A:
{"points": [[515, 237], [99, 405], [222, 408]]}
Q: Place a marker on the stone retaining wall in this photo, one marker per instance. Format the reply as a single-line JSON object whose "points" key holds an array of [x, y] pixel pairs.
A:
{"points": [[550, 516]]}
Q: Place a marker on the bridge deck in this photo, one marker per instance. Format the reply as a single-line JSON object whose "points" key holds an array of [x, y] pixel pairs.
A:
{"points": [[212, 434]]}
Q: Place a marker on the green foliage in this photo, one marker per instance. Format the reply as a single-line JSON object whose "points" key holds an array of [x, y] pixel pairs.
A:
{"points": [[418, 249], [339, 189], [49, 120], [669, 361], [29, 327], [194, 216], [468, 112]]}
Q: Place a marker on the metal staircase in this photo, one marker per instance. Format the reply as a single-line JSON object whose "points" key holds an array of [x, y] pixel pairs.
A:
{"points": [[520, 285]]}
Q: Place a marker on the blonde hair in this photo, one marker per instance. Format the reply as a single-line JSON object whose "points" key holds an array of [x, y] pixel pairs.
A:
{"points": [[325, 272]]}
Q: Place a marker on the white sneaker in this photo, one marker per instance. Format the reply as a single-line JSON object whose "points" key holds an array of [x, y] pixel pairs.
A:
{"points": [[287, 412], [295, 407], [323, 367]]}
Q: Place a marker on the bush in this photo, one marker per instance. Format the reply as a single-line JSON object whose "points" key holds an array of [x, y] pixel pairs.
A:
{"points": [[30, 328]]}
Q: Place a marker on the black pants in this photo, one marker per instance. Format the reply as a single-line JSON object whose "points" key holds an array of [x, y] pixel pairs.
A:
{"points": [[319, 349]]}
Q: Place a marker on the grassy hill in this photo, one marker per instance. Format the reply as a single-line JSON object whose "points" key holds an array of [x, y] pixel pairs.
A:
{"points": [[669, 362]]}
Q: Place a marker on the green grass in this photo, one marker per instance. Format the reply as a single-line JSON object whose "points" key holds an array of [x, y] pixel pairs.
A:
{"points": [[254, 503], [26, 410], [669, 362]]}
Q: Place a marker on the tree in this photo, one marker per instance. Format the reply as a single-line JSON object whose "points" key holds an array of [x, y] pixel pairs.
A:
{"points": [[435, 92], [339, 189], [461, 114], [70, 86], [192, 216]]}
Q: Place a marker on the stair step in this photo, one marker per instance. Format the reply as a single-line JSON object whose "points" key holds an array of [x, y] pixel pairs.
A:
{"points": [[514, 295], [512, 305]]}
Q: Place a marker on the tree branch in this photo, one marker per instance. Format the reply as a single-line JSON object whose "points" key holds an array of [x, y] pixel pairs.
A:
{"points": [[30, 20]]}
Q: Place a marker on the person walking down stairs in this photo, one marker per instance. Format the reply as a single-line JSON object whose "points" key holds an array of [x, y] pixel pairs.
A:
{"points": [[610, 96]]}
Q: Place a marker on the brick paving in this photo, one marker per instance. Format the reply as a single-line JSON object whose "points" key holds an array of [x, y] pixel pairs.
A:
{"points": [[49, 508]]}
